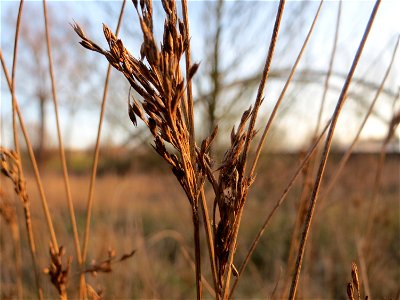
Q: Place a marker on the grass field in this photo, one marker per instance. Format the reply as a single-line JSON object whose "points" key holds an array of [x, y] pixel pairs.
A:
{"points": [[199, 215], [148, 212]]}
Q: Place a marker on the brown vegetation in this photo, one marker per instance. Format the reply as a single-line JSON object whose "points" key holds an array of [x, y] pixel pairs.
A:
{"points": [[135, 213]]}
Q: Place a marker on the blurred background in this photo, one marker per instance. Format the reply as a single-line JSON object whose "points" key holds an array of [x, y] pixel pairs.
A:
{"points": [[229, 40]]}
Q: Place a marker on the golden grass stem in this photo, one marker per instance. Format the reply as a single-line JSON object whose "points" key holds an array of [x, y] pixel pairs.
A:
{"points": [[330, 67], [60, 141], [363, 268], [258, 101], [277, 205], [264, 78], [196, 236], [281, 96], [90, 200], [371, 213], [209, 238], [13, 71], [310, 167], [325, 155], [16, 144], [61, 149], [350, 149], [33, 160], [39, 185]]}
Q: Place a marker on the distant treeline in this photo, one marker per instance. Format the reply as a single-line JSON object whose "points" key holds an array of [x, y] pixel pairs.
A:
{"points": [[122, 161]]}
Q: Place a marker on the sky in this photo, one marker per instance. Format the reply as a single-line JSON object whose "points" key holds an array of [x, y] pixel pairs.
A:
{"points": [[296, 124]]}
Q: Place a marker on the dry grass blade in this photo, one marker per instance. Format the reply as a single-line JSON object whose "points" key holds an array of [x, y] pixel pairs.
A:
{"points": [[364, 251], [13, 71], [325, 155], [347, 155], [268, 125], [279, 202], [61, 145], [329, 73], [234, 184], [281, 96], [32, 159], [89, 207]]}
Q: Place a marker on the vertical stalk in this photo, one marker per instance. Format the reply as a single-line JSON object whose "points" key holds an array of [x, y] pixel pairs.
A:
{"points": [[70, 204], [60, 141], [249, 135], [89, 206], [210, 241], [283, 92], [16, 142], [14, 66], [196, 228], [325, 155], [277, 205], [346, 156], [26, 204]]}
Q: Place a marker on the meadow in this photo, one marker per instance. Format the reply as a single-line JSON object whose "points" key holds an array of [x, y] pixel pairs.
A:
{"points": [[147, 211]]}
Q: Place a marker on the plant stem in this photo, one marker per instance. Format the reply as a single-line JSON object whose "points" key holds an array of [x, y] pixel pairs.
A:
{"points": [[281, 96], [89, 206], [210, 241], [325, 155], [275, 208], [196, 228]]}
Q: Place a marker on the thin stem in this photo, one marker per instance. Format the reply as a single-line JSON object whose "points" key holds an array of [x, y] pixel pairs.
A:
{"points": [[330, 68], [261, 87], [367, 236], [26, 204], [209, 237], [13, 71], [281, 96], [16, 145], [70, 204], [89, 206], [60, 141], [277, 205], [196, 229], [346, 156], [325, 155], [33, 161], [249, 135]]}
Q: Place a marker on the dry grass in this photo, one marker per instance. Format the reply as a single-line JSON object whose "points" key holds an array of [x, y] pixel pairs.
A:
{"points": [[216, 192], [127, 214]]}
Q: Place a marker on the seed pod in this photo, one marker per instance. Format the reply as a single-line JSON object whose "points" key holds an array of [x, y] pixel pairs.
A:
{"points": [[193, 69], [132, 115], [350, 291]]}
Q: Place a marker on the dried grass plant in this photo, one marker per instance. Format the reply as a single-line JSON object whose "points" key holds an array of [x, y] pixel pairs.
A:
{"points": [[165, 106], [163, 100]]}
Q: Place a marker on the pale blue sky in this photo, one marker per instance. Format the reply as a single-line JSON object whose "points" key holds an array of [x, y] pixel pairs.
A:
{"points": [[354, 18]]}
